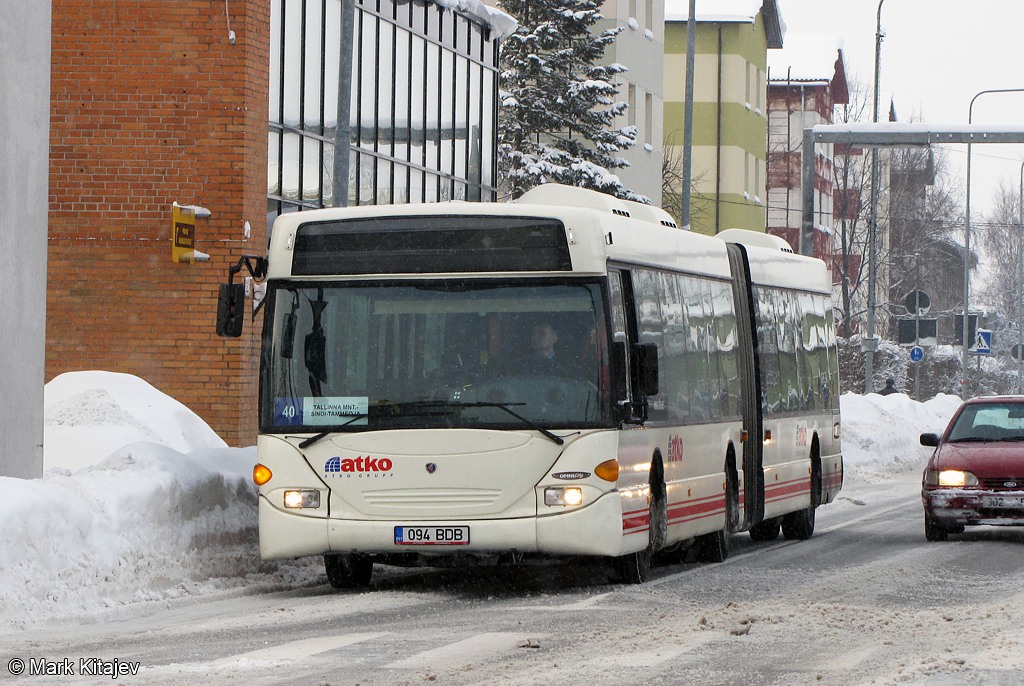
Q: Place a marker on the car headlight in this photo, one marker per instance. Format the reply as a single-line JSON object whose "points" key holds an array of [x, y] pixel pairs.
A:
{"points": [[952, 478]]}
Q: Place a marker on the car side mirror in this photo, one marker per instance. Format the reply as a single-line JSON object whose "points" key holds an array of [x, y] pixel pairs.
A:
{"points": [[230, 310], [930, 440]]}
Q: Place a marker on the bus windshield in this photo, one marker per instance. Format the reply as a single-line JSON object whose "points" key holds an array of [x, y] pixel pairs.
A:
{"points": [[459, 352]]}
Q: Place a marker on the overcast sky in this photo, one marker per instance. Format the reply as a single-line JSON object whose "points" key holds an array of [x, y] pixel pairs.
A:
{"points": [[936, 55]]}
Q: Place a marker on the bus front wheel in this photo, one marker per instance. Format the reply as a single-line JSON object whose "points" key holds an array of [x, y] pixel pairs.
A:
{"points": [[635, 568], [348, 570]]}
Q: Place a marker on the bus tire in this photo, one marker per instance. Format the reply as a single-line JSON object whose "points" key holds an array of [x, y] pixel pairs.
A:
{"points": [[635, 568], [799, 526], [767, 530], [348, 570], [714, 547]]}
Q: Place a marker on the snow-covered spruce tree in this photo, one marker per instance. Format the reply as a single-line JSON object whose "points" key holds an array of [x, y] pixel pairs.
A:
{"points": [[558, 109]]}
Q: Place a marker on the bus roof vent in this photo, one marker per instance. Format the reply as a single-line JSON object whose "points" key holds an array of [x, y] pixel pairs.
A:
{"points": [[573, 196], [755, 239]]}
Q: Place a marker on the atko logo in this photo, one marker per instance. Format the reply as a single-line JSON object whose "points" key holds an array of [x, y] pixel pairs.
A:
{"points": [[361, 466]]}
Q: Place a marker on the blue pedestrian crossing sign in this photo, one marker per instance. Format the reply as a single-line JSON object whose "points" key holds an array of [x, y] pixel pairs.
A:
{"points": [[982, 342], [916, 353]]}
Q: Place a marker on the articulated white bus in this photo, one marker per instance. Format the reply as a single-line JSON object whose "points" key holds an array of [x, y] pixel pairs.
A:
{"points": [[566, 375]]}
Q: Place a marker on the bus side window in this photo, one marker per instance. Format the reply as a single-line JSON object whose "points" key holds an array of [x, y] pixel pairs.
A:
{"points": [[620, 340]]}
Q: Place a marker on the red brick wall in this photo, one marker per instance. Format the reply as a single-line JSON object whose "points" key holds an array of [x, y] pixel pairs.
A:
{"points": [[150, 104]]}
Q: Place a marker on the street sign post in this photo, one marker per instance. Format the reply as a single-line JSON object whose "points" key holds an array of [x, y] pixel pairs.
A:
{"points": [[982, 342], [918, 303]]}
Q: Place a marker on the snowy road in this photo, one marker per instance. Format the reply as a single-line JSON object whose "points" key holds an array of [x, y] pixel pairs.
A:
{"points": [[866, 601]]}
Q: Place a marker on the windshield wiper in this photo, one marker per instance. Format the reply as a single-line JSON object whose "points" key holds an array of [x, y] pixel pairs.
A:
{"points": [[973, 439], [501, 406], [441, 404], [323, 434]]}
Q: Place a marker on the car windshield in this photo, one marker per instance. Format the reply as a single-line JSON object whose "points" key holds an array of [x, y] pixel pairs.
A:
{"points": [[453, 353], [984, 422]]}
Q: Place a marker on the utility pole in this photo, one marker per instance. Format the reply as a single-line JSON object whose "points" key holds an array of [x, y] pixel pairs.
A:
{"points": [[871, 343], [343, 132], [691, 40]]}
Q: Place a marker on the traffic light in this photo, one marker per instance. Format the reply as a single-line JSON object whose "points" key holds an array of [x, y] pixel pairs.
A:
{"points": [[958, 328]]}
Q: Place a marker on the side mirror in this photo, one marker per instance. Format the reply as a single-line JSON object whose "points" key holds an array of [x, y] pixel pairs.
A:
{"points": [[930, 440], [231, 298], [288, 336], [315, 353], [230, 310], [647, 368]]}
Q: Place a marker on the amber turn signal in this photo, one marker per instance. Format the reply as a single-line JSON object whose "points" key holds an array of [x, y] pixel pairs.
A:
{"points": [[261, 474], [608, 470]]}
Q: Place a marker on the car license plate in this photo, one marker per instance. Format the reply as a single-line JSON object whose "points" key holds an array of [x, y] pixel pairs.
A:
{"points": [[431, 535], [998, 501]]}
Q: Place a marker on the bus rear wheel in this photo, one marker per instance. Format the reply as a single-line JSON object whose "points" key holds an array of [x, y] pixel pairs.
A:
{"points": [[767, 530], [799, 525], [714, 547], [348, 570]]}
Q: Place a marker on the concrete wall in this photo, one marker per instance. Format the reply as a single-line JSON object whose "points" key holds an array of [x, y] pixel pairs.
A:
{"points": [[24, 160], [729, 121], [641, 48]]}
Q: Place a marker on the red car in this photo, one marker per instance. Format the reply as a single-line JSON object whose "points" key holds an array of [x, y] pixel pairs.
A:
{"points": [[976, 474]]}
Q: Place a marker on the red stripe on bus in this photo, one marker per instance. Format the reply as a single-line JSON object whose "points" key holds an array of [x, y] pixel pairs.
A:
{"points": [[636, 521], [693, 511], [787, 489]]}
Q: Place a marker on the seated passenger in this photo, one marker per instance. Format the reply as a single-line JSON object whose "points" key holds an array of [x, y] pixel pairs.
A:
{"points": [[541, 358]]}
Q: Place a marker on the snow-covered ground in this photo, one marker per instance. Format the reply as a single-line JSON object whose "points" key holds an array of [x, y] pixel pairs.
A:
{"points": [[142, 502]]}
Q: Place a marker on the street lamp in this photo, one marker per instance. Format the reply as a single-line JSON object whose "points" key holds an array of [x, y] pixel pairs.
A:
{"points": [[967, 233], [869, 352]]}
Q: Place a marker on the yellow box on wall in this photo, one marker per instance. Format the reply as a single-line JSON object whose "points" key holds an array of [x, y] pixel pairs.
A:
{"points": [[183, 233]]}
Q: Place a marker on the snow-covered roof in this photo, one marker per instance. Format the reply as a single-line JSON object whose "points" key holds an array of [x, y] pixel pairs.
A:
{"points": [[806, 58], [717, 11], [501, 24], [810, 60], [731, 11]]}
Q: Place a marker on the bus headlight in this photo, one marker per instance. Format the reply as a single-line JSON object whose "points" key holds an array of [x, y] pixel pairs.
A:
{"points": [[301, 499], [564, 495]]}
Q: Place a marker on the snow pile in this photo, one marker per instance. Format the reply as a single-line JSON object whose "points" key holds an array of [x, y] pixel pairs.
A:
{"points": [[881, 433], [142, 502], [89, 415]]}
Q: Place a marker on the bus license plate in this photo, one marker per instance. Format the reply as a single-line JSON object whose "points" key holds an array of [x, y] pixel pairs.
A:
{"points": [[431, 535], [997, 501]]}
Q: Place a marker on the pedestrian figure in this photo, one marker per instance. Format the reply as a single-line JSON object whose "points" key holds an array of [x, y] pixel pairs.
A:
{"points": [[890, 387]]}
